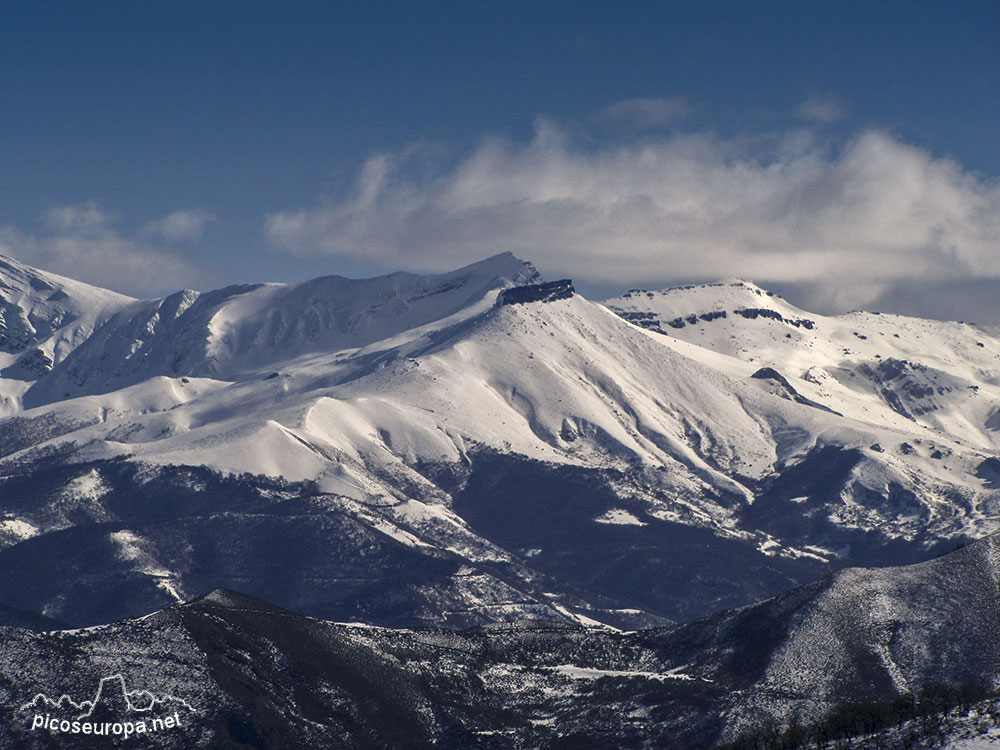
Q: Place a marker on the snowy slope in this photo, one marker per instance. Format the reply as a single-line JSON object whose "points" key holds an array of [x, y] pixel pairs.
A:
{"points": [[229, 332], [866, 635], [563, 382], [943, 376], [43, 317], [765, 447]]}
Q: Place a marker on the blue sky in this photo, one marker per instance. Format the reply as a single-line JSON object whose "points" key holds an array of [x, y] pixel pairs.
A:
{"points": [[845, 153]]}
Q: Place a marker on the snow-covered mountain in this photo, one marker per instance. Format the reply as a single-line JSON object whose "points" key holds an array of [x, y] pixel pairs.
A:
{"points": [[941, 376], [234, 332], [43, 317], [432, 449]]}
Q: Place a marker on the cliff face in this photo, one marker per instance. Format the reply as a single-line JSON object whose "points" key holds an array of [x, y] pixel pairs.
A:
{"points": [[547, 292]]}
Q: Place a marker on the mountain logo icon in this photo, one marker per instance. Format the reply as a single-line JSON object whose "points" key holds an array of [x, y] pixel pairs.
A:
{"points": [[113, 710]]}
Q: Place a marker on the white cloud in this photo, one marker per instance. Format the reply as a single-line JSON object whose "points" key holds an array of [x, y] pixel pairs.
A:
{"points": [[82, 242], [187, 224], [82, 218], [847, 222], [648, 113], [822, 108]]}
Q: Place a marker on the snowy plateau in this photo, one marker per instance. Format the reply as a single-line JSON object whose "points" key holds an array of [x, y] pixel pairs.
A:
{"points": [[476, 509]]}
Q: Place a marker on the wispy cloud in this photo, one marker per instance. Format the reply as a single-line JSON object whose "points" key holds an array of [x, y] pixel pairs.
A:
{"points": [[187, 224], [83, 242], [648, 113], [850, 221], [822, 108]]}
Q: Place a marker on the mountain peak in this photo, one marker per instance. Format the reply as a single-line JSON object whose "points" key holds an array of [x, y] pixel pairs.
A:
{"points": [[505, 265], [16, 276], [43, 316], [223, 598], [230, 333]]}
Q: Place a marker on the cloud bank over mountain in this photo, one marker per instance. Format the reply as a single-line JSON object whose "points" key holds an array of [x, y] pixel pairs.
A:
{"points": [[85, 241], [868, 222], [851, 222]]}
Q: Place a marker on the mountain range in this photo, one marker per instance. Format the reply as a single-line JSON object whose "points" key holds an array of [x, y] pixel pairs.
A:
{"points": [[482, 449], [250, 674]]}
